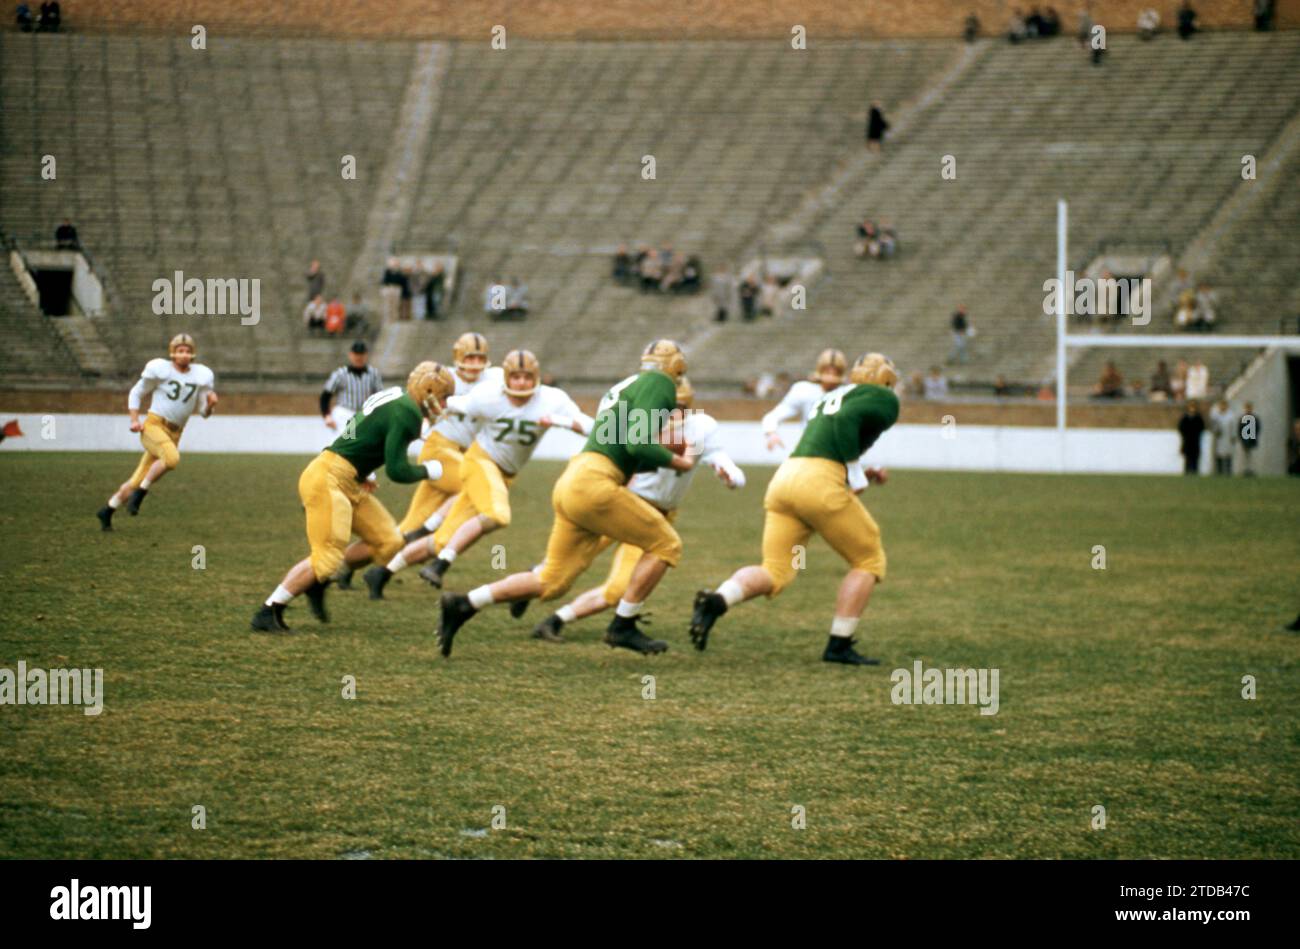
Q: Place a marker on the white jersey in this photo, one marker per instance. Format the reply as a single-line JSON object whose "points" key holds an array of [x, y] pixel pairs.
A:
{"points": [[176, 394], [509, 433], [665, 487], [797, 404], [455, 425]]}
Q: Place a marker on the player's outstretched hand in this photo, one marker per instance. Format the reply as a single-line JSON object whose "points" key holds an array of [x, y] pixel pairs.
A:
{"points": [[212, 404], [774, 442], [329, 422], [876, 475], [137, 425]]}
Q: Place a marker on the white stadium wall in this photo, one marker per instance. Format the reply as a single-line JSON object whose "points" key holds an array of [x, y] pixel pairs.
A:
{"points": [[935, 447]]}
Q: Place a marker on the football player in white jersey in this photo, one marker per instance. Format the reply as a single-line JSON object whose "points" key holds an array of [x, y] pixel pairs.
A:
{"points": [[179, 387], [444, 442], [803, 395], [664, 488], [510, 419]]}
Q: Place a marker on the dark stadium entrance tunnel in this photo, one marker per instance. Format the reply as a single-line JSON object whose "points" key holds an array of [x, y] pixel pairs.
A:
{"points": [[55, 287]]}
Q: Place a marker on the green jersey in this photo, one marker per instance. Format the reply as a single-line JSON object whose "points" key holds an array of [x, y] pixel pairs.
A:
{"points": [[846, 421], [379, 435], [628, 421]]}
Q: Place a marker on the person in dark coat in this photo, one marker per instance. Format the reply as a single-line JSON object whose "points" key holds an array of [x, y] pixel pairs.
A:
{"points": [[876, 127], [1190, 428]]}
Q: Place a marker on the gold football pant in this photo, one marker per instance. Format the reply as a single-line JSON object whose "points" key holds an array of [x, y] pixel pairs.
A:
{"points": [[484, 489], [626, 557], [592, 502], [807, 495], [337, 505], [159, 438], [430, 495]]}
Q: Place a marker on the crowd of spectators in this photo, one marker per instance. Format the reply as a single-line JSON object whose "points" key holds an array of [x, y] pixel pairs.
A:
{"points": [[1196, 309], [748, 295], [877, 241], [49, 19], [420, 288], [657, 271], [1038, 24], [1228, 429], [1186, 382]]}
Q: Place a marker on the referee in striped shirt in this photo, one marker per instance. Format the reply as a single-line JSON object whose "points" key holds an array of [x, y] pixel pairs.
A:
{"points": [[351, 385]]}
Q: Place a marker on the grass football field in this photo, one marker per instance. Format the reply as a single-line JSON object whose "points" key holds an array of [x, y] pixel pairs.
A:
{"points": [[1119, 687]]}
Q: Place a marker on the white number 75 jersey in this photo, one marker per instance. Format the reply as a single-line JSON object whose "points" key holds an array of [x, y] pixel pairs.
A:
{"points": [[509, 433]]}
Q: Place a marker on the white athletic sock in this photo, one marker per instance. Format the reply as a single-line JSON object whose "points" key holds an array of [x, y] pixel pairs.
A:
{"points": [[114, 503], [480, 597], [567, 614], [281, 596], [397, 563], [144, 485], [447, 554], [628, 610], [434, 521], [732, 592], [843, 626]]}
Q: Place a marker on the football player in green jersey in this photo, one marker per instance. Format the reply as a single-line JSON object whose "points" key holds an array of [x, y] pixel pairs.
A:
{"points": [[592, 501], [337, 496], [815, 490]]}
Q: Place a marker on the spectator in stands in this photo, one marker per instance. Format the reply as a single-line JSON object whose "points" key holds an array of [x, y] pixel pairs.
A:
{"points": [[692, 275], [1190, 428], [391, 291], [357, 317], [961, 332], [1250, 430], [1207, 302], [674, 273], [336, 319], [1161, 385], [494, 298], [1186, 20], [1264, 10], [419, 291], [1001, 388], [1178, 384], [65, 236], [748, 292], [936, 385], [315, 280], [622, 264], [1148, 27], [1198, 380], [888, 240], [313, 315], [516, 299], [876, 127], [866, 231], [769, 296], [435, 289], [1110, 385], [1051, 25], [24, 18], [1084, 32], [1183, 283], [1034, 24], [1017, 30], [1223, 426], [971, 28], [51, 17], [408, 280], [651, 272], [916, 385]]}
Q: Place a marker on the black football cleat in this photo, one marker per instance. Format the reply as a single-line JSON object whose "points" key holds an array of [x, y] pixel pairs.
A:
{"points": [[623, 633], [840, 649], [456, 612], [105, 515], [416, 534], [376, 579], [708, 607], [1294, 627], [316, 600], [343, 577], [518, 608], [433, 573], [270, 619], [549, 629], [135, 500]]}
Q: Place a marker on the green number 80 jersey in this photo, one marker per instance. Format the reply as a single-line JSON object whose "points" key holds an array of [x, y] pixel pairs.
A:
{"points": [[846, 421]]}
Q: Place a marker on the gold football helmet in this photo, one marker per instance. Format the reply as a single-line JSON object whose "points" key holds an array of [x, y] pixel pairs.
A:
{"points": [[832, 365], [469, 344], [521, 360], [666, 356], [430, 384], [685, 393], [874, 369], [182, 339]]}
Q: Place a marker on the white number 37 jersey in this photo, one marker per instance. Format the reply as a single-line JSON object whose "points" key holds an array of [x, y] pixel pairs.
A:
{"points": [[176, 394]]}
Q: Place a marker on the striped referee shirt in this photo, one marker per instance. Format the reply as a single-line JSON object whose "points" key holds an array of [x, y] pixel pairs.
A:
{"points": [[352, 388]]}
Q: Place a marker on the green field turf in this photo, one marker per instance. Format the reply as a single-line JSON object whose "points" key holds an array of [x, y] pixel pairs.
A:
{"points": [[1119, 687]]}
